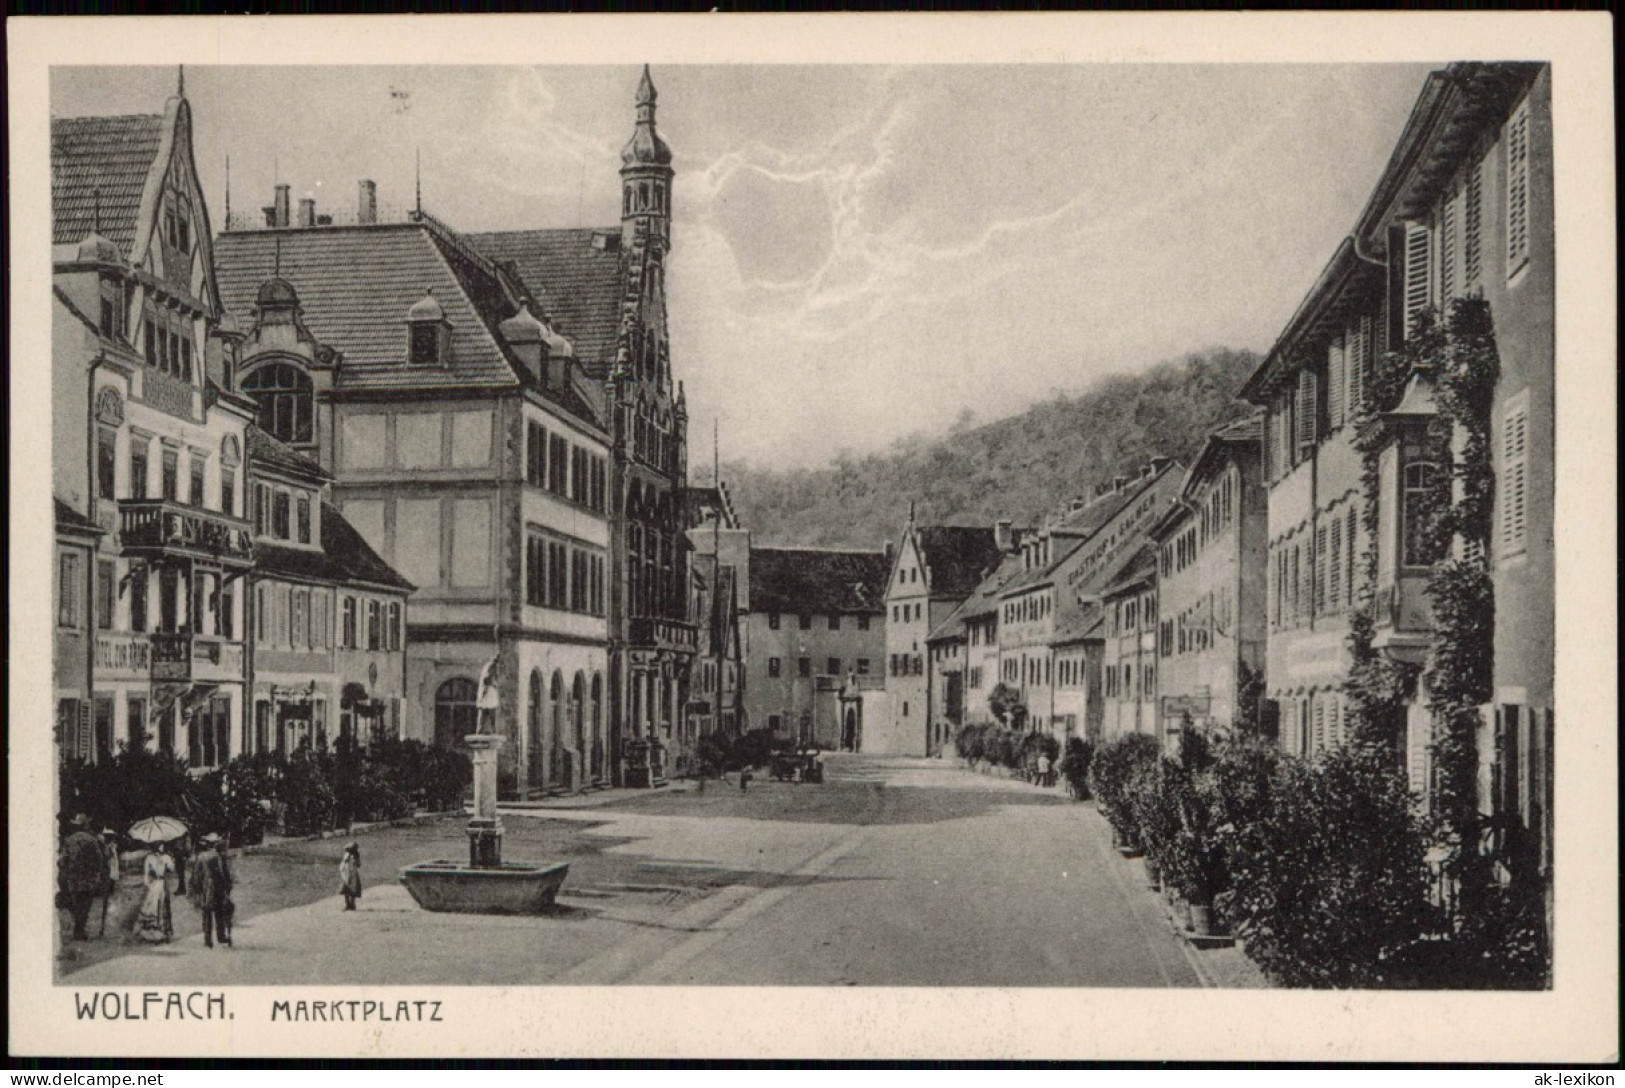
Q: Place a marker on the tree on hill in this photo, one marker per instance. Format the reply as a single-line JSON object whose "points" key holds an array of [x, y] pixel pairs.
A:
{"points": [[1019, 467]]}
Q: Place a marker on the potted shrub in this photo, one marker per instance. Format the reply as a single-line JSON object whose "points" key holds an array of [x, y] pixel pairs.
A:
{"points": [[1074, 767], [1110, 776], [1156, 813]]}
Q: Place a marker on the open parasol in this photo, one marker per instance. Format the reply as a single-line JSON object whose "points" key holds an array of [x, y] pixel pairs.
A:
{"points": [[157, 829]]}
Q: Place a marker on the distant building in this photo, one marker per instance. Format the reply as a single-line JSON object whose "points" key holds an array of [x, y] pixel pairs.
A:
{"points": [[326, 616], [972, 630], [147, 449], [721, 574], [1212, 552], [1128, 661], [499, 416], [816, 619], [936, 568], [1051, 610]]}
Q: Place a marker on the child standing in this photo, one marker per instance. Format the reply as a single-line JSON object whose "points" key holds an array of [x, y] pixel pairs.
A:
{"points": [[350, 875]]}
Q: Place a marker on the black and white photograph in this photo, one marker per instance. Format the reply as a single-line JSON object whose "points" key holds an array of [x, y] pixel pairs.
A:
{"points": [[697, 526]]}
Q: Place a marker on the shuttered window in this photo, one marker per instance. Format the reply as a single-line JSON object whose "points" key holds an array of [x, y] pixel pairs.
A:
{"points": [[1336, 383], [1321, 568], [1517, 189], [1334, 567], [1350, 550], [1355, 363], [1308, 395], [1515, 478], [1418, 274], [1449, 247], [1472, 228]]}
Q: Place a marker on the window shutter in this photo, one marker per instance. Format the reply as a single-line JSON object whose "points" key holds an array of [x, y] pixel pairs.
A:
{"points": [[1320, 570], [1449, 231], [1472, 228], [1307, 397], [1356, 362], [1514, 481], [1334, 568], [1517, 188], [1336, 380], [1418, 273]]}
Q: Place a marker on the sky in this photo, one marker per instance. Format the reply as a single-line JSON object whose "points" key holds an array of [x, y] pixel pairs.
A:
{"points": [[860, 254]]}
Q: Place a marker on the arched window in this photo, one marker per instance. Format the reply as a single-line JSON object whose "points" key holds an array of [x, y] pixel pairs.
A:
{"points": [[556, 724], [1418, 548], [285, 397], [596, 714], [535, 747], [578, 704], [456, 714]]}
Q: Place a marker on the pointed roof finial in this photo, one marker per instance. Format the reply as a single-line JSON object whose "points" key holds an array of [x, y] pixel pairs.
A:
{"points": [[180, 82], [646, 89], [420, 180], [228, 192], [96, 209]]}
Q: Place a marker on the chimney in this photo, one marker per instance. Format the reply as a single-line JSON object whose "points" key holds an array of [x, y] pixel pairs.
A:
{"points": [[1078, 503], [307, 211], [281, 205], [1118, 482], [1160, 463], [1003, 536], [888, 553], [366, 212]]}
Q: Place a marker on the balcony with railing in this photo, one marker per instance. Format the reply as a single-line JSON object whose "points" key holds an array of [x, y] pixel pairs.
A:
{"points": [[658, 633], [159, 528]]}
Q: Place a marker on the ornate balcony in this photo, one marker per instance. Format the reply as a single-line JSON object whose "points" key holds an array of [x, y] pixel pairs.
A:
{"points": [[656, 633], [162, 528]]}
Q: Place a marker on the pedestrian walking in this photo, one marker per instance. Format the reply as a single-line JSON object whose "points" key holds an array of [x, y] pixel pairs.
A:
{"points": [[1043, 769], [110, 853], [155, 924], [350, 875], [82, 873], [211, 891], [744, 779]]}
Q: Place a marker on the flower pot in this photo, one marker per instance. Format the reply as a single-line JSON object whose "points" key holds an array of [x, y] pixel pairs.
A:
{"points": [[1201, 922], [1153, 873]]}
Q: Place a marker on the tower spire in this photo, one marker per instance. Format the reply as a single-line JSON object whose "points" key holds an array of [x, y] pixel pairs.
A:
{"points": [[646, 174], [180, 82], [419, 180], [228, 192]]}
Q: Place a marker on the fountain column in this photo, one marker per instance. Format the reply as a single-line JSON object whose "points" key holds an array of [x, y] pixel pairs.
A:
{"points": [[485, 829]]}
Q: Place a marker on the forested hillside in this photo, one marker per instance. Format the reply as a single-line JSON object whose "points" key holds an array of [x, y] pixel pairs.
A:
{"points": [[1018, 467]]}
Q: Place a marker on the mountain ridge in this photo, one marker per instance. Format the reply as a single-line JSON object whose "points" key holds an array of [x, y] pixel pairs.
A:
{"points": [[1019, 467]]}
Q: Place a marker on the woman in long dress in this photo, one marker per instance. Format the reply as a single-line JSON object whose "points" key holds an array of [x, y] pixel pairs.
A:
{"points": [[350, 875], [155, 923]]}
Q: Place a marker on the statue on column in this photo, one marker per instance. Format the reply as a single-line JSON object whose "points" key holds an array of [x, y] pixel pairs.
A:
{"points": [[489, 700]]}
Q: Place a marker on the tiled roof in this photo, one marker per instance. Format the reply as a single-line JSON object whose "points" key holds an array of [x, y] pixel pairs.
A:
{"points": [[795, 580], [1086, 622], [263, 449], [958, 556], [578, 285], [101, 161], [1063, 548], [356, 284], [986, 598], [344, 557], [1134, 566]]}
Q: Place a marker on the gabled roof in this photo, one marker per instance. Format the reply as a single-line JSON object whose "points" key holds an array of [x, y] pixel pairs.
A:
{"points": [[101, 161], [957, 556], [796, 580], [1083, 624], [345, 557], [985, 601], [577, 283], [264, 449], [1133, 568], [356, 285]]}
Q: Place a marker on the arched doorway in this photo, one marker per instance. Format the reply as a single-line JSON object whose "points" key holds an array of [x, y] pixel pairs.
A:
{"points": [[456, 714], [597, 753], [578, 711], [535, 745], [556, 771]]}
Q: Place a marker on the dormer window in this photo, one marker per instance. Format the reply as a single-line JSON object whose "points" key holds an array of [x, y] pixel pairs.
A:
{"points": [[286, 399], [428, 334]]}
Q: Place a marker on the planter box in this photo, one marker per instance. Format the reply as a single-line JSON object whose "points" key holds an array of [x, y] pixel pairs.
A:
{"points": [[518, 887]]}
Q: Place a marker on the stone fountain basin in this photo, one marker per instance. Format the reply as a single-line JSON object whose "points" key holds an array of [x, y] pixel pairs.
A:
{"points": [[517, 887]]}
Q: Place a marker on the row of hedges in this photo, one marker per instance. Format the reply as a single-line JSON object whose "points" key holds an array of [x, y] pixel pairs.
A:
{"points": [[1317, 865], [989, 742], [309, 791]]}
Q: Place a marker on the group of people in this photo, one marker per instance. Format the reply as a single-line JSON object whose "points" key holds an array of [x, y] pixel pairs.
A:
{"points": [[90, 869]]}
